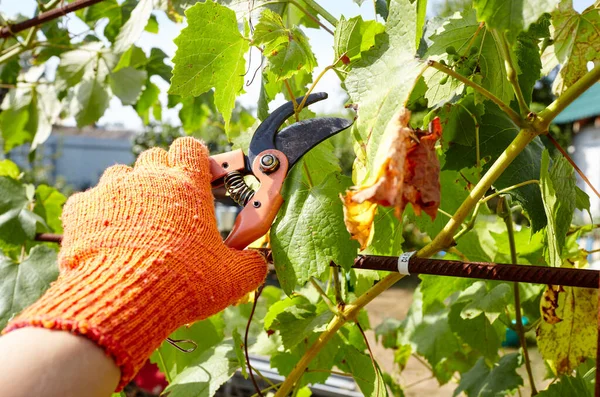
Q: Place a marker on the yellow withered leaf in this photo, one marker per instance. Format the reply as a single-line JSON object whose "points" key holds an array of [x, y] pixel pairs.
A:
{"points": [[567, 334]]}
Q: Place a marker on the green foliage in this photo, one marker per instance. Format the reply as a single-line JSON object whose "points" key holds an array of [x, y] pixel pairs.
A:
{"points": [[288, 50], [210, 54], [496, 381], [456, 325], [23, 283]]}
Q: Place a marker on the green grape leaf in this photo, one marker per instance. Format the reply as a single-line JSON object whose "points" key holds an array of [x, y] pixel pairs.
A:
{"points": [[531, 247], [152, 25], [196, 111], [433, 339], [461, 31], [387, 239], [23, 283], [569, 386], [480, 300], [17, 222], [496, 132], [127, 84], [146, 101], [210, 53], [206, 334], [567, 334], [558, 193], [460, 120], [369, 380], [309, 232], [86, 69], [421, 15], [204, 375], [477, 332], [512, 16], [270, 87], [576, 42], [527, 53], [134, 57], [436, 289], [296, 323], [10, 169], [156, 64], [13, 124], [582, 201], [48, 205], [133, 28], [482, 381], [382, 7], [280, 306], [288, 50], [380, 82], [238, 344], [354, 36]]}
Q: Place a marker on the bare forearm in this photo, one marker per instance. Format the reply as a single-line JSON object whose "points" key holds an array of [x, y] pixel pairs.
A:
{"points": [[41, 362]]}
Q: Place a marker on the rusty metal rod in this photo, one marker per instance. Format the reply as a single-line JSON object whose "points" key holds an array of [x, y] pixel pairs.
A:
{"points": [[483, 270], [480, 270], [11, 29]]}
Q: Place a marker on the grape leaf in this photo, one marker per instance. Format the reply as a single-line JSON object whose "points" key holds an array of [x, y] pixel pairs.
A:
{"points": [[13, 126], [134, 57], [17, 222], [146, 101], [527, 53], [477, 332], [567, 333], [576, 42], [279, 307], [558, 194], [491, 303], [206, 334], [48, 205], [157, 66], [309, 231], [127, 84], [380, 82], [133, 28], [360, 365], [462, 31], [297, 322], [288, 50], [210, 53], [496, 132], [433, 338], [387, 238], [512, 16], [460, 120], [582, 201], [87, 69], [531, 247], [23, 283], [569, 386], [482, 381], [436, 289], [354, 36], [205, 374]]}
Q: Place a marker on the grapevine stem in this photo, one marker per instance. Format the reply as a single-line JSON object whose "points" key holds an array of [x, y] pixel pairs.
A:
{"points": [[511, 72], [508, 189], [339, 300], [322, 12], [328, 301], [507, 217], [314, 84], [546, 116], [511, 113]]}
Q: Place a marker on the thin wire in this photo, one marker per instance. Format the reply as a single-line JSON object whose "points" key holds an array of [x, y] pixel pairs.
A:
{"points": [[258, 292]]}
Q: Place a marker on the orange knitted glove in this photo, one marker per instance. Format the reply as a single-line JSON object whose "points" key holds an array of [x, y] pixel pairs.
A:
{"points": [[141, 256]]}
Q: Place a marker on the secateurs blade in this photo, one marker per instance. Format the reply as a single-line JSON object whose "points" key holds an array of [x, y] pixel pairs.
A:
{"points": [[272, 153]]}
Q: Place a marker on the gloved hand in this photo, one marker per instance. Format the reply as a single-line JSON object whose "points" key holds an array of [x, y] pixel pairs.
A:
{"points": [[141, 256]]}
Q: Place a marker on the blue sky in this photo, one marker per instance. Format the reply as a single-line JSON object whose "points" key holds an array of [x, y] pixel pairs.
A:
{"points": [[320, 40]]}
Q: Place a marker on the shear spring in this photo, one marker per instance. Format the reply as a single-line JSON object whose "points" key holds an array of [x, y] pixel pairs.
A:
{"points": [[237, 188]]}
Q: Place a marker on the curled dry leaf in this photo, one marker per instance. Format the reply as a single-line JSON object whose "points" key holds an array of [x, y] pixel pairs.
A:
{"points": [[408, 173]]}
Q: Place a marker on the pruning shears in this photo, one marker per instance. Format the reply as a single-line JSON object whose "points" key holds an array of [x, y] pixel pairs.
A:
{"points": [[272, 153]]}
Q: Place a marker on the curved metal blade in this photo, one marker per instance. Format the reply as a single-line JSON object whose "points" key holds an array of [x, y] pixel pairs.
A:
{"points": [[264, 136], [299, 138]]}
